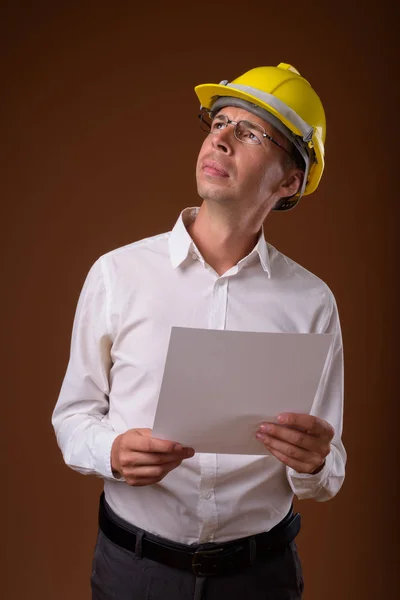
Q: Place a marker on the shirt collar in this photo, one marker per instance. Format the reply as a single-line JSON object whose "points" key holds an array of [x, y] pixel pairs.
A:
{"points": [[262, 250], [180, 242]]}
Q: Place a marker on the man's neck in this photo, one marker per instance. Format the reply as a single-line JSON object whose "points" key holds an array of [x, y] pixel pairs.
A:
{"points": [[222, 238]]}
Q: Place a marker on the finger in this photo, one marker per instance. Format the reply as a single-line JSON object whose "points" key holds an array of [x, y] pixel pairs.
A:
{"points": [[290, 451], [311, 424], [296, 437], [143, 442], [145, 475], [297, 465], [157, 458]]}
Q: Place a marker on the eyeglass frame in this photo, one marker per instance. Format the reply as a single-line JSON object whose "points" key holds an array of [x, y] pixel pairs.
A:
{"points": [[235, 124]]}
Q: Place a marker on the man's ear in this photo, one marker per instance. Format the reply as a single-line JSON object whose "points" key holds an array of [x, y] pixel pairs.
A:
{"points": [[292, 185]]}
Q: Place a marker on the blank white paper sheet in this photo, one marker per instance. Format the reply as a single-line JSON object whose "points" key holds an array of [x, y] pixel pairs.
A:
{"points": [[218, 385]]}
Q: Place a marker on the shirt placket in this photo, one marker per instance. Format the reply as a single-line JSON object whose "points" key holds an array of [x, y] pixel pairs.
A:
{"points": [[207, 505]]}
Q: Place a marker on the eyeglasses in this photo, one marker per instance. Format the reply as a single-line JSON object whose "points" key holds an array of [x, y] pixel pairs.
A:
{"points": [[244, 131]]}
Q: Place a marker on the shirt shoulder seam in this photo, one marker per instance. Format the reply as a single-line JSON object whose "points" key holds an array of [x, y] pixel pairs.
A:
{"points": [[107, 288], [137, 244], [299, 266]]}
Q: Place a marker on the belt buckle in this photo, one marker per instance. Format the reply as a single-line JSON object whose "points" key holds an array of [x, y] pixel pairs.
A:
{"points": [[201, 568]]}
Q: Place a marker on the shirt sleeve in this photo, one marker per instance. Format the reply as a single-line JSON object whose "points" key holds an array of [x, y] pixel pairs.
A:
{"points": [[328, 405], [83, 433]]}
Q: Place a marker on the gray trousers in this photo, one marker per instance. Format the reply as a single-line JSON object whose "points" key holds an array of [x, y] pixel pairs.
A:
{"points": [[118, 574]]}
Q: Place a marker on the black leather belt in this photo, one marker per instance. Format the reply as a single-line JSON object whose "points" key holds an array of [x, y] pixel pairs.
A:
{"points": [[204, 560]]}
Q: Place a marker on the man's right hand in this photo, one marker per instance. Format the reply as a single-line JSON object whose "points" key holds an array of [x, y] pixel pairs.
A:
{"points": [[143, 460]]}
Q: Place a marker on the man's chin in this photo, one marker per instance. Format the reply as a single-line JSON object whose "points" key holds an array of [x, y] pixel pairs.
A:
{"points": [[214, 194], [217, 199]]}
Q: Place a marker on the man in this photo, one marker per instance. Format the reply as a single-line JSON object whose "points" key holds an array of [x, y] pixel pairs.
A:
{"points": [[173, 523]]}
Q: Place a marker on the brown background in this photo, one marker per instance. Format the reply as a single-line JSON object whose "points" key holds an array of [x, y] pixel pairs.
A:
{"points": [[99, 142]]}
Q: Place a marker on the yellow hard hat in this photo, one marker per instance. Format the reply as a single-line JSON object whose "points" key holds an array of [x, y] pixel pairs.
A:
{"points": [[288, 102]]}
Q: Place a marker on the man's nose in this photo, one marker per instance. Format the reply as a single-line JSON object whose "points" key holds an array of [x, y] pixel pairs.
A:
{"points": [[224, 139]]}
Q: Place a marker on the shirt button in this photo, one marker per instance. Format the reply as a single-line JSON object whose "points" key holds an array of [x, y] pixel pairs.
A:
{"points": [[194, 256], [207, 495]]}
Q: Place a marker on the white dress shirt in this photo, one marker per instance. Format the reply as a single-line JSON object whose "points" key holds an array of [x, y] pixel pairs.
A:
{"points": [[131, 298]]}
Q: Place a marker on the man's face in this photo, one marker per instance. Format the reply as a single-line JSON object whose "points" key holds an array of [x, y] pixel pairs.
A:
{"points": [[246, 176]]}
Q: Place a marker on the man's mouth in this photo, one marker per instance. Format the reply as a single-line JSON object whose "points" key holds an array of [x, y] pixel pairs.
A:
{"points": [[211, 167]]}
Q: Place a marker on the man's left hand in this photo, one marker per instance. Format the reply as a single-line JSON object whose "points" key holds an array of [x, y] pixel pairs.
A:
{"points": [[298, 441]]}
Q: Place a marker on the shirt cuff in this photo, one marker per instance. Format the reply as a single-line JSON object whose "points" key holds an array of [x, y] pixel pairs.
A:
{"points": [[306, 485], [104, 442]]}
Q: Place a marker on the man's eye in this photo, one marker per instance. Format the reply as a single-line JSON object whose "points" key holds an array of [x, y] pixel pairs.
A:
{"points": [[218, 125], [250, 135]]}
